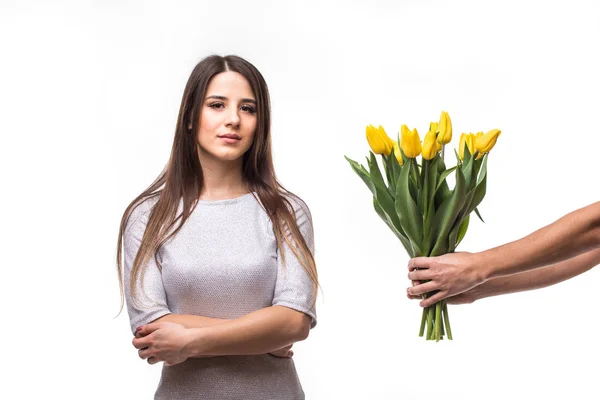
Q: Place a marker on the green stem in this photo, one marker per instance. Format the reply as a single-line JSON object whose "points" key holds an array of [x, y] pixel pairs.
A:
{"points": [[388, 172], [442, 323], [429, 322], [415, 171], [438, 321], [447, 320], [423, 320], [424, 175]]}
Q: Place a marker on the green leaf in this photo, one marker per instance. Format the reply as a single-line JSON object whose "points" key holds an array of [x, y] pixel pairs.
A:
{"points": [[479, 215], [462, 230], [387, 162], [403, 239], [362, 173], [406, 209], [467, 169], [374, 171], [467, 153], [396, 167], [483, 170], [458, 160], [446, 216], [443, 191], [443, 177], [430, 173], [386, 203], [479, 194]]}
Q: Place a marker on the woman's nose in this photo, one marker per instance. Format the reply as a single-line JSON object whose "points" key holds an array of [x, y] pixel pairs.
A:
{"points": [[233, 118]]}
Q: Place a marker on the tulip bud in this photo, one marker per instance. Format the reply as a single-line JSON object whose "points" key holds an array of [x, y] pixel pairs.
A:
{"points": [[377, 141], [410, 142], [485, 143], [444, 129], [397, 154], [429, 145]]}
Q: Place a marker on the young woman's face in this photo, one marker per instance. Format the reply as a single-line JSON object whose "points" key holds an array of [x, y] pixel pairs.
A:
{"points": [[228, 118]]}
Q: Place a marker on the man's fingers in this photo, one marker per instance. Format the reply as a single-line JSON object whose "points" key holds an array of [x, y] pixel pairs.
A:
{"points": [[410, 296], [433, 299], [423, 288], [421, 275], [419, 262]]}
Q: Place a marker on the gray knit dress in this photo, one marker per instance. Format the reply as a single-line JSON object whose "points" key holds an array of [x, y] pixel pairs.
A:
{"points": [[223, 263]]}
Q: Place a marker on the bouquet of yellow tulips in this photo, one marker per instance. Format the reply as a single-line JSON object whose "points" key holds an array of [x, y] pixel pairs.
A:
{"points": [[415, 201]]}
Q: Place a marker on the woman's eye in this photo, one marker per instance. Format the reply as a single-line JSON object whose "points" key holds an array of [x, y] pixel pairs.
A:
{"points": [[249, 109], [216, 105]]}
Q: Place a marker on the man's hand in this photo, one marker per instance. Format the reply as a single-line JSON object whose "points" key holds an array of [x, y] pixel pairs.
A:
{"points": [[450, 275]]}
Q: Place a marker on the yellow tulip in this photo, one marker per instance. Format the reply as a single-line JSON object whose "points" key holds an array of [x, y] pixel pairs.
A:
{"points": [[429, 145], [377, 141], [410, 142], [469, 139], [385, 136], [485, 143], [398, 154], [434, 127], [444, 128]]}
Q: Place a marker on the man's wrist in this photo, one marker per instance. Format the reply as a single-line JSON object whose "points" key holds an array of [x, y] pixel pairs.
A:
{"points": [[481, 267]]}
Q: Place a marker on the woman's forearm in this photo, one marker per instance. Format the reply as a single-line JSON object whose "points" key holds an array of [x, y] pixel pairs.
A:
{"points": [[538, 278], [576, 233], [259, 332], [191, 321]]}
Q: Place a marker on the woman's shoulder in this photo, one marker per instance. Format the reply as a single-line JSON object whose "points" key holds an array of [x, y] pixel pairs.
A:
{"points": [[298, 205], [141, 209]]}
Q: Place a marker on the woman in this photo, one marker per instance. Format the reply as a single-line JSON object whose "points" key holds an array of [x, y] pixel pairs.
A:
{"points": [[218, 268]]}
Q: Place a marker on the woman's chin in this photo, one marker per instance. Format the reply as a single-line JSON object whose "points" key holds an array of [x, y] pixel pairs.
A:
{"points": [[228, 156]]}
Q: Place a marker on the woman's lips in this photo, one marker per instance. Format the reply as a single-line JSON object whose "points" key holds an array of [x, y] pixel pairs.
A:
{"points": [[230, 139]]}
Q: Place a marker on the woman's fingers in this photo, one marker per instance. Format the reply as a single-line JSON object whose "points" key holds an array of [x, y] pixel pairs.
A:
{"points": [[153, 360]]}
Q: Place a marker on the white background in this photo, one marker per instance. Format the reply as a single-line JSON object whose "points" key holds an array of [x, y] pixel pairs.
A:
{"points": [[89, 93]]}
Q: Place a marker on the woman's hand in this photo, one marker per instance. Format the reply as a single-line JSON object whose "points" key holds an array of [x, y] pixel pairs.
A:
{"points": [[284, 352], [162, 341]]}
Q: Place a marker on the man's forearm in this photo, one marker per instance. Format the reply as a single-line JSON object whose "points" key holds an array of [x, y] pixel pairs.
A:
{"points": [[539, 278], [259, 332], [576, 233]]}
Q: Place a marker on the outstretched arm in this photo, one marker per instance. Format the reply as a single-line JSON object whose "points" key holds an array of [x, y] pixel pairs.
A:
{"points": [[530, 280], [576, 233]]}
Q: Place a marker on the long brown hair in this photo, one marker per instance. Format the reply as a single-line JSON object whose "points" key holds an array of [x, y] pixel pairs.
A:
{"points": [[182, 177]]}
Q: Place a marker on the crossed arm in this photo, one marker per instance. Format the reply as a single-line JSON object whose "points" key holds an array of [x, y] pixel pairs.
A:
{"points": [[175, 337]]}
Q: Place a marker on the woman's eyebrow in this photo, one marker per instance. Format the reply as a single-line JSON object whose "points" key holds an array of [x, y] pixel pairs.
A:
{"points": [[214, 96]]}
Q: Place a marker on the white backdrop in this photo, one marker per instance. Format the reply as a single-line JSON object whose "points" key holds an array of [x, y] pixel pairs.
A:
{"points": [[89, 93]]}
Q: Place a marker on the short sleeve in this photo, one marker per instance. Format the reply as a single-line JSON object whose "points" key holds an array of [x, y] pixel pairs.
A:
{"points": [[151, 300], [294, 287]]}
